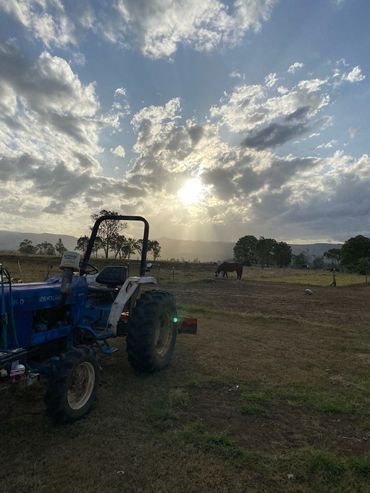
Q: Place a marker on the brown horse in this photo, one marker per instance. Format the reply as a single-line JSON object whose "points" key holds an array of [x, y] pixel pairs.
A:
{"points": [[226, 267]]}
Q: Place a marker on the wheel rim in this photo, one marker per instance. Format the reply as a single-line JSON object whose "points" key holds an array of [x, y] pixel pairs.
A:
{"points": [[81, 385], [163, 335]]}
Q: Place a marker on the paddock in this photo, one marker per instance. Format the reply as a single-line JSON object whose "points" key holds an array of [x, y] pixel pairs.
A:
{"points": [[272, 395]]}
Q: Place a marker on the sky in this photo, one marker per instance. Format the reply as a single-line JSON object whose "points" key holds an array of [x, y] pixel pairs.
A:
{"points": [[213, 119]]}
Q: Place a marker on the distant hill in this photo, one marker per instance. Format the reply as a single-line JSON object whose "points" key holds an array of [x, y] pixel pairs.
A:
{"points": [[10, 240], [204, 251], [191, 249], [219, 250], [314, 249]]}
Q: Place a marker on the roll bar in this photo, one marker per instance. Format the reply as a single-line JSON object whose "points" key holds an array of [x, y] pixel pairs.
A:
{"points": [[113, 217]]}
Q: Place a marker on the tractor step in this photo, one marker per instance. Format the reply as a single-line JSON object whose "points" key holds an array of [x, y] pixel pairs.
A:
{"points": [[107, 349]]}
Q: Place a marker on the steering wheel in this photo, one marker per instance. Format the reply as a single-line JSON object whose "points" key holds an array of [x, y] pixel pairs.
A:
{"points": [[91, 269]]}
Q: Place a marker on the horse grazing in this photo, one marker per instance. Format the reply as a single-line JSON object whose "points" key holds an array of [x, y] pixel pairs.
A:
{"points": [[226, 267]]}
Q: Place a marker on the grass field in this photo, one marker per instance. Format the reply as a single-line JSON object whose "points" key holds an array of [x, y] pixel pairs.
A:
{"points": [[36, 268], [272, 395]]}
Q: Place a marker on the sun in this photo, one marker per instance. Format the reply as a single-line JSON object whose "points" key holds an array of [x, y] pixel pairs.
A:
{"points": [[192, 191]]}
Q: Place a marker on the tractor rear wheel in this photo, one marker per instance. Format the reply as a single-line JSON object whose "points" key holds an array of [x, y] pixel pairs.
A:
{"points": [[71, 388], [152, 334]]}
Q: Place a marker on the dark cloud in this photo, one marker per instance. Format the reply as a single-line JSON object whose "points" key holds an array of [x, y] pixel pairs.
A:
{"points": [[196, 133], [69, 125], [273, 135], [222, 181], [85, 161], [50, 90], [55, 207], [62, 184], [299, 114]]}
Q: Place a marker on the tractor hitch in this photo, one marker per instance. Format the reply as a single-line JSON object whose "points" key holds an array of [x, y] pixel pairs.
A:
{"points": [[187, 325]]}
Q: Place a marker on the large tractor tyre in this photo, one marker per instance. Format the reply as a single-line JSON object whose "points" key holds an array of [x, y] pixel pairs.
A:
{"points": [[72, 386], [152, 334]]}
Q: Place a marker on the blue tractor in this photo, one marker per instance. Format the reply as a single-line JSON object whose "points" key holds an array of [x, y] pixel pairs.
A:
{"points": [[54, 329]]}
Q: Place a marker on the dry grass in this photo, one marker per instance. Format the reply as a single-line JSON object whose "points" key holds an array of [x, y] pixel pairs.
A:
{"points": [[272, 395], [35, 268]]}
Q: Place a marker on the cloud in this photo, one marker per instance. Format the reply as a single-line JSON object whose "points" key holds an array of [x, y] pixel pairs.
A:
{"points": [[248, 185], [158, 27], [355, 75], [48, 84], [274, 134], [235, 75], [50, 126], [119, 151], [46, 20], [352, 132], [295, 67], [267, 120], [155, 27], [328, 145], [120, 91], [271, 79]]}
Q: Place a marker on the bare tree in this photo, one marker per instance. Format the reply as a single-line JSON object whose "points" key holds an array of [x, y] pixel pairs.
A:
{"points": [[108, 230]]}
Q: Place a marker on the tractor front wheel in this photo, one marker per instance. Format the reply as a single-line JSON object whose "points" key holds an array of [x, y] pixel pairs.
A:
{"points": [[71, 388], [152, 333]]}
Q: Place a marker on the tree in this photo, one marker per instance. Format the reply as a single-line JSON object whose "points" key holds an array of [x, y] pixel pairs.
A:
{"points": [[108, 230], [333, 254], [129, 248], [300, 260], [82, 243], [245, 250], [45, 248], [265, 250], [26, 247], [355, 249], [155, 248], [318, 263], [60, 248], [363, 266], [282, 254], [98, 245], [139, 246], [117, 244]]}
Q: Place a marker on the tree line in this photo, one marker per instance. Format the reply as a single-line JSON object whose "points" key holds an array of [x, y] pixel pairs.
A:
{"points": [[45, 248], [354, 254], [111, 242], [249, 250]]}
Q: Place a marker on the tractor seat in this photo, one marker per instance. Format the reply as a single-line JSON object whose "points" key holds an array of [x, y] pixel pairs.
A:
{"points": [[110, 279]]}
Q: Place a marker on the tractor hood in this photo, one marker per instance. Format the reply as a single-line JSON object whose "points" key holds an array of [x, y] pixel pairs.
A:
{"points": [[30, 298]]}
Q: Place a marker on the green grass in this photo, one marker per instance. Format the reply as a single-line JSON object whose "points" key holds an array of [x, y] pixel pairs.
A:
{"points": [[331, 471], [257, 396], [332, 401], [196, 435], [254, 402], [360, 466], [306, 277], [179, 398], [253, 410]]}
